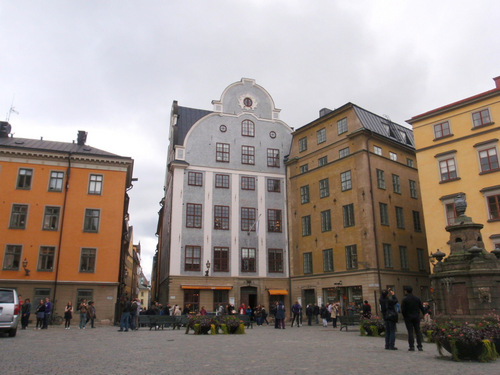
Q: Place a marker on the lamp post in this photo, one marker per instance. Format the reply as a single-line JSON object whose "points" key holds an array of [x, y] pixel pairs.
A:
{"points": [[208, 267], [25, 265]]}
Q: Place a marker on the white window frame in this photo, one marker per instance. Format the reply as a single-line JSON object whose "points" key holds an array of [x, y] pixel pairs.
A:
{"points": [[445, 157]]}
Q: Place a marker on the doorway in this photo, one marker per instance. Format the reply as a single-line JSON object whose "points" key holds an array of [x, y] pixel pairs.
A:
{"points": [[248, 296]]}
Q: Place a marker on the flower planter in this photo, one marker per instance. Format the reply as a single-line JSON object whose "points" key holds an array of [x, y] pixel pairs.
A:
{"points": [[482, 351]]}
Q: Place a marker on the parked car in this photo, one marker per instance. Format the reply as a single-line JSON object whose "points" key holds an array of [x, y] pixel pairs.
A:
{"points": [[9, 311]]}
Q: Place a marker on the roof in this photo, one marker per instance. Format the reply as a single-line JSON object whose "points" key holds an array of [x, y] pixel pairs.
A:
{"points": [[186, 118], [53, 146]]}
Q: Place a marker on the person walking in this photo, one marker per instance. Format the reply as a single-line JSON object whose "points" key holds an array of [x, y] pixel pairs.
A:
{"points": [[83, 308], [68, 315], [40, 314], [297, 312], [388, 303], [411, 308]]}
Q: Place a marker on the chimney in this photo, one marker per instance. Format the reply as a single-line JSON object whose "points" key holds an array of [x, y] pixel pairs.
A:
{"points": [[497, 82], [5, 129], [324, 112], [82, 137]]}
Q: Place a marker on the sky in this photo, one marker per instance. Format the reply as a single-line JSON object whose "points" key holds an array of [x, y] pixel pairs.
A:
{"points": [[113, 68]]}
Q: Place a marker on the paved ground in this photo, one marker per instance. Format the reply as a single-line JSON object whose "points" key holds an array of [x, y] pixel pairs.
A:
{"points": [[261, 351]]}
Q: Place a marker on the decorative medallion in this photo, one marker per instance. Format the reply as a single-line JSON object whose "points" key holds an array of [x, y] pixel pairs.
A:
{"points": [[223, 128]]}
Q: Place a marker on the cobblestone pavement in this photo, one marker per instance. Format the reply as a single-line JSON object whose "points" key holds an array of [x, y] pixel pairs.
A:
{"points": [[262, 350]]}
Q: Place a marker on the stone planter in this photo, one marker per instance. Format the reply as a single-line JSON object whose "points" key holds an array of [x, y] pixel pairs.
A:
{"points": [[483, 351]]}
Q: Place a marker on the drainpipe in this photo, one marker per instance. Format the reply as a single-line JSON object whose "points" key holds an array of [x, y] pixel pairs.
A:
{"points": [[58, 256]]}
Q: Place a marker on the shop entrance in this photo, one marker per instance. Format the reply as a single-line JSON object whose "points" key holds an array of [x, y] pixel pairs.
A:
{"points": [[248, 296], [350, 298], [309, 297]]}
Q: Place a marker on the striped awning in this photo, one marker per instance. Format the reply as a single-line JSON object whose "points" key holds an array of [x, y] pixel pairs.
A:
{"points": [[204, 287], [278, 292]]}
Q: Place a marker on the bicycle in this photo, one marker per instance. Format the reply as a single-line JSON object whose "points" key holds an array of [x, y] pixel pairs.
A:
{"points": [[55, 319]]}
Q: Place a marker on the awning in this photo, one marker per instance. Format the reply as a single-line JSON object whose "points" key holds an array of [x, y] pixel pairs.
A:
{"points": [[278, 292], [206, 287]]}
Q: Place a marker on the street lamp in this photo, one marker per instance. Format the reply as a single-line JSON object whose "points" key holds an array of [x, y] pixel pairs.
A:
{"points": [[208, 267], [26, 270]]}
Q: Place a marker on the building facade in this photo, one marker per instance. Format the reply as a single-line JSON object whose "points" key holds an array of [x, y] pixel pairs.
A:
{"points": [[61, 221], [354, 208], [221, 233], [457, 153]]}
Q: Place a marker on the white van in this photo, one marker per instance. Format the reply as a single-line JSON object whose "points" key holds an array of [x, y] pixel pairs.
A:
{"points": [[9, 311]]}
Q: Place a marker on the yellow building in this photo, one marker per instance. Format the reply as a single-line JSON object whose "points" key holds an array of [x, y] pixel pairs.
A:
{"points": [[354, 208], [61, 221], [457, 153]]}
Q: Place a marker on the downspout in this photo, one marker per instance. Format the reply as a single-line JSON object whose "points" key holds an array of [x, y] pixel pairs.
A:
{"points": [[63, 214], [288, 242]]}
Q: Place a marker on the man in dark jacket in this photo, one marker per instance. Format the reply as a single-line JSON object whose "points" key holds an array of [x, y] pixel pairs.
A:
{"points": [[388, 303], [411, 308]]}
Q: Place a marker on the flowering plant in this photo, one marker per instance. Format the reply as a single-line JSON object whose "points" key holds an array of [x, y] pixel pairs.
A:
{"points": [[372, 327], [489, 325]]}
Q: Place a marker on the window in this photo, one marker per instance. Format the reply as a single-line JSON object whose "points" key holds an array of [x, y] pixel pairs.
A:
{"points": [[195, 178], [494, 207], [38, 294], [387, 255], [275, 260], [321, 135], [222, 181], [306, 225], [488, 159], [222, 152], [308, 262], [351, 257], [87, 260], [51, 218], [12, 257], [348, 214], [345, 181], [417, 227], [442, 130], [247, 259], [384, 214], [322, 161], [328, 260], [304, 168], [247, 183], [403, 253], [46, 258], [273, 157], [421, 259], [247, 128], [274, 221], [192, 258], [400, 220], [273, 186], [324, 188], [221, 298], [413, 189], [95, 184], [396, 185], [481, 117], [247, 219], [221, 217], [344, 152], [192, 297], [248, 155], [221, 259], [377, 150], [91, 223], [451, 214], [193, 215], [342, 126], [304, 194], [448, 169], [380, 179], [56, 181], [393, 156], [18, 216], [302, 144], [326, 221], [24, 178], [410, 163]]}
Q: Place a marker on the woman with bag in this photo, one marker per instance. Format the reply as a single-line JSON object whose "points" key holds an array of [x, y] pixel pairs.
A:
{"points": [[388, 303]]}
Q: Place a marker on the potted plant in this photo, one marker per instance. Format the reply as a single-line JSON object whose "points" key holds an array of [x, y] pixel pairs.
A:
{"points": [[427, 329], [230, 324], [372, 327], [202, 324], [490, 328]]}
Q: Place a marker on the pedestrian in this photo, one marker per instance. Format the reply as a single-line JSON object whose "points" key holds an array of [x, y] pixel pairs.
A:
{"points": [[40, 314], [388, 303], [428, 312], [297, 312], [335, 314], [203, 311], [258, 315], [367, 310], [68, 314], [316, 312], [324, 315], [25, 311], [125, 318], [264, 315], [91, 316], [242, 310], [274, 310], [133, 314], [187, 309], [280, 315], [309, 314], [411, 306], [83, 309], [48, 311]]}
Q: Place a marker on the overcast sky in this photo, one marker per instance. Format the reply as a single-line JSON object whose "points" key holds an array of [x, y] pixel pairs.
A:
{"points": [[113, 68]]}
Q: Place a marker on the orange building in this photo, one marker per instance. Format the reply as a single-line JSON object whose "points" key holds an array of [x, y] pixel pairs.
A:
{"points": [[62, 217]]}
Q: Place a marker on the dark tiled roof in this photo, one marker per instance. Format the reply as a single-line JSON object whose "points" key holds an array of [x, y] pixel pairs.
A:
{"points": [[187, 117], [52, 146]]}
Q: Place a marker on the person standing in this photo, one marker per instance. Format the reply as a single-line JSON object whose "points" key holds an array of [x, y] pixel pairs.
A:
{"points": [[335, 314], [367, 310], [68, 314], [40, 314], [134, 311], [83, 308], [388, 303], [411, 308], [297, 312], [25, 311], [48, 311], [309, 314], [324, 315], [316, 312], [91, 314], [125, 318], [280, 315]]}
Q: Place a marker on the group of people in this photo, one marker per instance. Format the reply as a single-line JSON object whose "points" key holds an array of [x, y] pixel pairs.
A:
{"points": [[43, 313], [87, 314]]}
